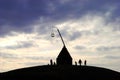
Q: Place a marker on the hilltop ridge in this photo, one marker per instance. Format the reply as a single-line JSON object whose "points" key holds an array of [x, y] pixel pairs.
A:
{"points": [[54, 72]]}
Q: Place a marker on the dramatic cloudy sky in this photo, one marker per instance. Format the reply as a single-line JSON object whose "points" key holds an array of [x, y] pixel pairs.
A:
{"points": [[90, 28]]}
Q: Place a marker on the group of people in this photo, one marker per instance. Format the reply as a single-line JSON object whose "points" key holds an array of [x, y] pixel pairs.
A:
{"points": [[80, 62]]}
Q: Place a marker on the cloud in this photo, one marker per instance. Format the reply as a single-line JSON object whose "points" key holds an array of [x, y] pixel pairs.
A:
{"points": [[18, 15], [80, 47], [22, 44], [37, 57], [8, 55], [113, 57], [34, 63], [115, 24], [108, 48], [89, 26], [71, 35]]}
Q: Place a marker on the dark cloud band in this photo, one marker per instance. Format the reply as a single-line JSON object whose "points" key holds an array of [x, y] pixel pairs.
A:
{"points": [[18, 15]]}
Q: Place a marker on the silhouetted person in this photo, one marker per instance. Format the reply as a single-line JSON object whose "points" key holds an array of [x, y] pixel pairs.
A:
{"points": [[54, 63], [51, 62], [85, 62], [75, 63], [80, 62]]}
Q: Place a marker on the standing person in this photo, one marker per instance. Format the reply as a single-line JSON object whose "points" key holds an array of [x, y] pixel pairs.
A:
{"points": [[51, 62], [80, 62], [75, 63], [54, 63], [85, 62]]}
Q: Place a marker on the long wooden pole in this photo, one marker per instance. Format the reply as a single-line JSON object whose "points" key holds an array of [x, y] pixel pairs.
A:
{"points": [[61, 37]]}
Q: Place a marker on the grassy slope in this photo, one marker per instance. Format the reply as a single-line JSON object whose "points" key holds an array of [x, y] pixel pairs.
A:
{"points": [[61, 73]]}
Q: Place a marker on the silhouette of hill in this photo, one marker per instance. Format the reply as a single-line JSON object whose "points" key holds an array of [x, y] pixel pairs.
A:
{"points": [[55, 72]]}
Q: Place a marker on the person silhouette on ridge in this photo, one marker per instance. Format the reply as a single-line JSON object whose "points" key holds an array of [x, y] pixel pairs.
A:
{"points": [[85, 62], [75, 63], [51, 62], [80, 62]]}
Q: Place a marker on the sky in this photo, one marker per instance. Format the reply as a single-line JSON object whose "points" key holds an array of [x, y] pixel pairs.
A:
{"points": [[90, 29]]}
